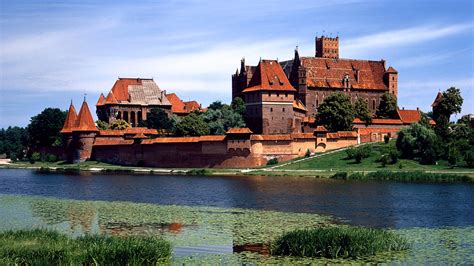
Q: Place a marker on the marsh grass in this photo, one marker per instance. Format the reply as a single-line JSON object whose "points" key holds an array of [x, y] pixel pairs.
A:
{"points": [[338, 242], [411, 176], [43, 247]]}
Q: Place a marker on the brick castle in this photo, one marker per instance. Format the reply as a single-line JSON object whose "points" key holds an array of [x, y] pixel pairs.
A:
{"points": [[281, 101]]}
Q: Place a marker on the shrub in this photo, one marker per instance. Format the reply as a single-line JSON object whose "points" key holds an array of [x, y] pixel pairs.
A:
{"points": [[308, 153], [272, 161], [340, 175], [201, 172], [338, 242], [358, 153], [36, 156], [51, 158], [386, 139]]}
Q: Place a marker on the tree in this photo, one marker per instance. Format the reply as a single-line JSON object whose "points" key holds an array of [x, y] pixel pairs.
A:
{"points": [[387, 107], [418, 142], [361, 109], [220, 120], [238, 105], [44, 128], [450, 103], [119, 124], [13, 142], [216, 105], [192, 125], [336, 112], [158, 119], [101, 125]]}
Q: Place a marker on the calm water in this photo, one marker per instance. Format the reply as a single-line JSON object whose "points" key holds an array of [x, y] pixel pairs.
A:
{"points": [[368, 203]]}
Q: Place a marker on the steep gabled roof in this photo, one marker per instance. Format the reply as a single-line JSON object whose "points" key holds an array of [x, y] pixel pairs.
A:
{"points": [[329, 73], [269, 76], [111, 99], [409, 116], [177, 105], [191, 106], [297, 104], [84, 121], [239, 130], [70, 121], [392, 70]]}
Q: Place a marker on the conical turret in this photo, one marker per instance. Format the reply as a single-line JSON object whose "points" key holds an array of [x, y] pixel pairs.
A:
{"points": [[70, 121]]}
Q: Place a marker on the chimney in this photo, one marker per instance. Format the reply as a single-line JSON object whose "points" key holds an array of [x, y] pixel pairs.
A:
{"points": [[357, 75]]}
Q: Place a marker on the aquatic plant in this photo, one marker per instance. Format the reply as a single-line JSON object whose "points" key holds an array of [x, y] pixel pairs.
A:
{"points": [[338, 242], [199, 172], [416, 176], [40, 246]]}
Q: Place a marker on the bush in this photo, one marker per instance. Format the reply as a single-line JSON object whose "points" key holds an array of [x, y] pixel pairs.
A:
{"points": [[36, 156], [200, 172], [414, 176], [272, 161], [386, 139], [308, 153], [42, 247], [358, 153], [51, 158], [338, 242]]}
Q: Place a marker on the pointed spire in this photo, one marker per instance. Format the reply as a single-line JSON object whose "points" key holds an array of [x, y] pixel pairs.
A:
{"points": [[101, 100], [242, 65], [70, 121], [84, 121]]}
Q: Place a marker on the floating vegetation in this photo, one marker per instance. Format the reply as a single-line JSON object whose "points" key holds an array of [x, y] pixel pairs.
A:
{"points": [[338, 242], [49, 247], [199, 172], [412, 176]]}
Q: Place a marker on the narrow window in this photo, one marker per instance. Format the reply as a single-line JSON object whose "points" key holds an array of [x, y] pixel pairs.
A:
{"points": [[271, 109], [283, 109], [373, 104]]}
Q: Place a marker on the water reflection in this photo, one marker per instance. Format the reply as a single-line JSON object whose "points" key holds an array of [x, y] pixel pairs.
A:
{"points": [[368, 203]]}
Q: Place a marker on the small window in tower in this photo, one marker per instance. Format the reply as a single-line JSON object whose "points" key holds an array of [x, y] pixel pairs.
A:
{"points": [[269, 94], [393, 78], [286, 95], [278, 94], [373, 104], [271, 109], [283, 109]]}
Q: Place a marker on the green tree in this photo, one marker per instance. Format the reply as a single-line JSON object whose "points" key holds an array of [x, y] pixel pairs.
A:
{"points": [[336, 112], [102, 125], [361, 110], [238, 105], [158, 119], [192, 125], [418, 142], [13, 142], [220, 120], [119, 124], [216, 105], [44, 128], [387, 107], [450, 103]]}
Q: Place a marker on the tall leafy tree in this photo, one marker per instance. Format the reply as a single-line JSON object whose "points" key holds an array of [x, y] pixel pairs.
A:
{"points": [[387, 107], [44, 128], [158, 119], [450, 103], [238, 105], [220, 120], [336, 112], [216, 105], [192, 125], [361, 109], [13, 142], [419, 142]]}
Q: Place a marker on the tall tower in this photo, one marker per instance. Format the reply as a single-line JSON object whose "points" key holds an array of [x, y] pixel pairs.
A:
{"points": [[391, 79], [327, 47]]}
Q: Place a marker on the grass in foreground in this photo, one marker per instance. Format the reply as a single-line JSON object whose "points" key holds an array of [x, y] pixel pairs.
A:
{"points": [[338, 242], [48, 247]]}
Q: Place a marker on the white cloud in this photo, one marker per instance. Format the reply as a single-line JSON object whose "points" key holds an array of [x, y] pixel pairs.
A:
{"points": [[401, 37]]}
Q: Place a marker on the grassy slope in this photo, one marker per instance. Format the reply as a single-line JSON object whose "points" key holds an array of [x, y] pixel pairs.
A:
{"points": [[337, 161]]}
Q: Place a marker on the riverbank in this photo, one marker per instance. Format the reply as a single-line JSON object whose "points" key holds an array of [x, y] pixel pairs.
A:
{"points": [[322, 165]]}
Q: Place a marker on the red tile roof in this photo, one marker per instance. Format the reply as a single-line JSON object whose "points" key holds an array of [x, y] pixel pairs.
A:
{"points": [[269, 76], [380, 121], [409, 116], [438, 98], [302, 136], [120, 88], [70, 121], [140, 136], [320, 129], [84, 121], [239, 130], [101, 100], [106, 142], [329, 73], [271, 137], [297, 104], [128, 131], [111, 98], [391, 70], [180, 107], [347, 134]]}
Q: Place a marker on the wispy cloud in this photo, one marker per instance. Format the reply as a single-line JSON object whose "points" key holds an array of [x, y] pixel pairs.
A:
{"points": [[401, 37], [424, 60]]}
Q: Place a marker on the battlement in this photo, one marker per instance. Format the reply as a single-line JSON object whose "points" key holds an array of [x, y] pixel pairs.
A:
{"points": [[327, 47]]}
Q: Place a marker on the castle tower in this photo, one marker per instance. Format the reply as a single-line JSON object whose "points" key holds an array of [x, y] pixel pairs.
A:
{"points": [[391, 79], [83, 135], [66, 132], [327, 47]]}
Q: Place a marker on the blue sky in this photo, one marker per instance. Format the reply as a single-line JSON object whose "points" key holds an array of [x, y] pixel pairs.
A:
{"points": [[55, 51]]}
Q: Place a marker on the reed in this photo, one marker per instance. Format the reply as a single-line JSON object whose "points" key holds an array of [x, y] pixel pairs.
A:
{"points": [[43, 247], [410, 176], [338, 242]]}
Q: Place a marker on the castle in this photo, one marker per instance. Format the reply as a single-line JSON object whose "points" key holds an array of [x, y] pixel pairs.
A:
{"points": [[281, 100]]}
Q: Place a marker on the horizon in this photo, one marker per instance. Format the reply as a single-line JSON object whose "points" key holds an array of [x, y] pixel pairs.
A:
{"points": [[51, 53]]}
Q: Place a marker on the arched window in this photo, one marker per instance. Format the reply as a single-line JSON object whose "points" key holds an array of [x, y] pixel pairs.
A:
{"points": [[125, 116]]}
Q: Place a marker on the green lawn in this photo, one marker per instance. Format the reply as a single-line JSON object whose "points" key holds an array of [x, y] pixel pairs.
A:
{"points": [[338, 161]]}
